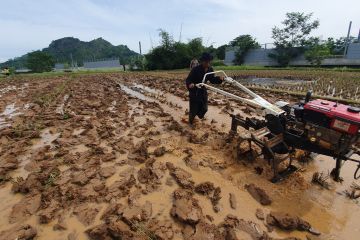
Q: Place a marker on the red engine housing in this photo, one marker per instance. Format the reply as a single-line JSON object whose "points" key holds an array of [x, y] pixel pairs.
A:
{"points": [[339, 117]]}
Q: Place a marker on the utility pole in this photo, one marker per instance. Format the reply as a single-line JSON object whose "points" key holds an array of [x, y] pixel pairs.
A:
{"points": [[72, 61], [180, 32], [140, 47], [347, 39], [151, 41]]}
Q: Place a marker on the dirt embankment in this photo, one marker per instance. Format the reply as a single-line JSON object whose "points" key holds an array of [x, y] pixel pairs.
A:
{"points": [[84, 158]]}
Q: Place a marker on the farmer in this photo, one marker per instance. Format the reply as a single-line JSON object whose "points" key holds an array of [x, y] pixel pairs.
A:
{"points": [[194, 62], [198, 97], [6, 71]]}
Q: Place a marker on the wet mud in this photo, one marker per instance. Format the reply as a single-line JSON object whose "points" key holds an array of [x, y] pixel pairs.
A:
{"points": [[110, 156]]}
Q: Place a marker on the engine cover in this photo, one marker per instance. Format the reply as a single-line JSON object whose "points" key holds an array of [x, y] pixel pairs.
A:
{"points": [[332, 115], [324, 137]]}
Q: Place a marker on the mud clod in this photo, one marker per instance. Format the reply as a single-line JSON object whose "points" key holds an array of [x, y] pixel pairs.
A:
{"points": [[215, 198], [205, 188], [251, 228], [25, 208], [107, 171], [23, 232], [122, 187], [258, 194], [60, 225], [116, 229], [151, 175], [47, 214], [182, 177], [230, 234], [185, 207], [260, 214], [161, 229], [175, 126], [140, 152], [80, 179], [232, 200], [204, 230], [134, 214], [86, 214], [287, 222], [160, 151]]}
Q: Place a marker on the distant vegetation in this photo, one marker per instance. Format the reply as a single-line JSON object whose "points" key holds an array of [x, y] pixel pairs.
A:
{"points": [[69, 49], [243, 43], [39, 61], [293, 39], [171, 54]]}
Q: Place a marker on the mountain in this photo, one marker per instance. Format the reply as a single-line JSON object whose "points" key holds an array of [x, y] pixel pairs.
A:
{"points": [[64, 48]]}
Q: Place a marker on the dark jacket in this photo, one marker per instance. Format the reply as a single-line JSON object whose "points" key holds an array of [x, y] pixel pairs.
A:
{"points": [[196, 76]]}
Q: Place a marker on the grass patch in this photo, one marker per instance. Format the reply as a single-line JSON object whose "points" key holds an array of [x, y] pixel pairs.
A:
{"points": [[47, 99], [28, 128], [52, 178]]}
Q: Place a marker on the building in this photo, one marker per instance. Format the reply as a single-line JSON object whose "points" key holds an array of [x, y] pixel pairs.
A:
{"points": [[59, 66]]}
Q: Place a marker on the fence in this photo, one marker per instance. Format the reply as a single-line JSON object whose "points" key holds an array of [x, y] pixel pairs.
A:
{"points": [[105, 63], [353, 51], [260, 57]]}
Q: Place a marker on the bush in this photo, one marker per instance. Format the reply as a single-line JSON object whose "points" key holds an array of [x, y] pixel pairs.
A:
{"points": [[173, 55], [137, 63], [317, 53], [244, 44], [292, 37], [217, 63], [39, 61], [283, 55]]}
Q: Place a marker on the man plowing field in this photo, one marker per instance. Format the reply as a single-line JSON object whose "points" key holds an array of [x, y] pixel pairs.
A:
{"points": [[198, 97]]}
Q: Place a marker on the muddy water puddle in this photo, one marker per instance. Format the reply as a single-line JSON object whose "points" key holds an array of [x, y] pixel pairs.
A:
{"points": [[7, 89], [73, 225], [112, 107], [134, 93], [78, 131], [9, 112], [174, 105], [147, 89], [47, 137], [60, 108], [80, 148], [345, 212], [8, 200]]}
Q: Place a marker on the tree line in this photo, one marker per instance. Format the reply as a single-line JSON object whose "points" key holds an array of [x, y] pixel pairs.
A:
{"points": [[291, 39]]}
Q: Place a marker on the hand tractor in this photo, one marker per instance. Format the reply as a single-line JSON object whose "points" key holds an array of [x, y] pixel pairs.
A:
{"points": [[317, 126]]}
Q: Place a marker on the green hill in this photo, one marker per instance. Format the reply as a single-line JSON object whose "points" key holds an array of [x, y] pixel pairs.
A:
{"points": [[62, 50]]}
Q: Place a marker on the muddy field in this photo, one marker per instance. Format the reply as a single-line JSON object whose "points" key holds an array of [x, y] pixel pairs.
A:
{"points": [[108, 156]]}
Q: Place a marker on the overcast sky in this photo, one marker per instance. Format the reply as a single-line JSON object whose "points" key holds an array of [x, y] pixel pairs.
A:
{"points": [[32, 24]]}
